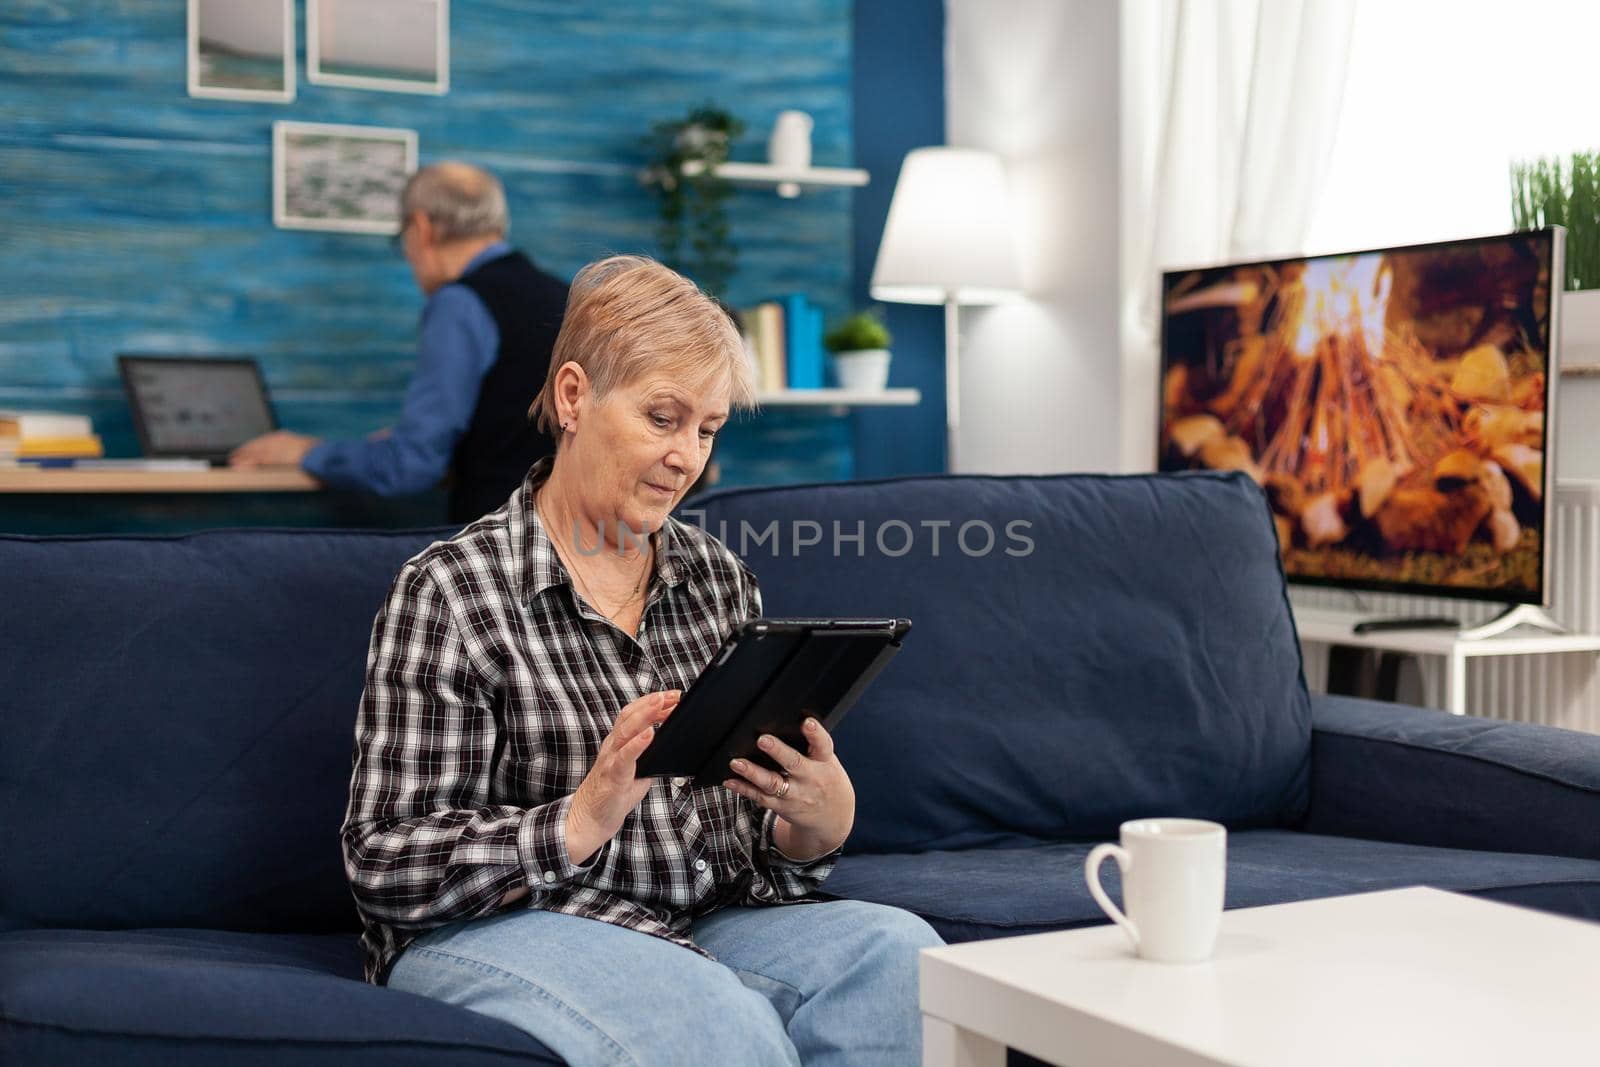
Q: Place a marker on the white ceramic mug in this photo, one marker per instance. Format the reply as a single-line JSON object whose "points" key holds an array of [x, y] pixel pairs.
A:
{"points": [[1173, 875]]}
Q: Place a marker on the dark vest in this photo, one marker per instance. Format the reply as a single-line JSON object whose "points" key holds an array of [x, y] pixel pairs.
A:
{"points": [[501, 443]]}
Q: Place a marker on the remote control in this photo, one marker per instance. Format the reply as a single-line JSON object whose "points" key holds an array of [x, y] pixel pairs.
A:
{"points": [[1421, 622]]}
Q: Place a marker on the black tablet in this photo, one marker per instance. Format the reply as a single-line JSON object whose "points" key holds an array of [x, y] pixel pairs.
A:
{"points": [[767, 678]]}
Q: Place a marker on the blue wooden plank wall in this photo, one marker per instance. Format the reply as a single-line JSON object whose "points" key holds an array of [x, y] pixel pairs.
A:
{"points": [[135, 218]]}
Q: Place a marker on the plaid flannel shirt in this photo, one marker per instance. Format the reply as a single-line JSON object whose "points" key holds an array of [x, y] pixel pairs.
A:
{"points": [[490, 686]]}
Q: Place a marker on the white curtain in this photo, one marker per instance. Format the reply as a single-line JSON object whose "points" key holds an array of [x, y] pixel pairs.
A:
{"points": [[1229, 113]]}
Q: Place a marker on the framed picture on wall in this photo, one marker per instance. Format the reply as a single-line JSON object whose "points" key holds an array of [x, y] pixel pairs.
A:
{"points": [[242, 49], [397, 46], [342, 178]]}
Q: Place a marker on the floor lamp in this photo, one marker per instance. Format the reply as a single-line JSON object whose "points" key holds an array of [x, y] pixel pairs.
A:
{"points": [[948, 241]]}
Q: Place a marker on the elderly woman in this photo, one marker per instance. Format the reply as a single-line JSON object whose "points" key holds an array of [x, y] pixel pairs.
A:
{"points": [[503, 855]]}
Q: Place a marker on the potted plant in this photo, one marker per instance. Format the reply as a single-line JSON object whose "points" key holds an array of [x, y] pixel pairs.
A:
{"points": [[693, 229], [1566, 192], [1557, 192], [860, 347]]}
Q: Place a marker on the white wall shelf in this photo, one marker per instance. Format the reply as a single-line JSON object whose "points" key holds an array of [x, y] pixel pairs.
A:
{"points": [[787, 180], [841, 398]]}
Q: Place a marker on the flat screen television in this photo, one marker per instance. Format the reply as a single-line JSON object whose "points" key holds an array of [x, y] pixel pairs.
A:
{"points": [[1395, 404]]}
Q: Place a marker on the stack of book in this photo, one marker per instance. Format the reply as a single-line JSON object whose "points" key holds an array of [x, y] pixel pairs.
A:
{"points": [[784, 340], [46, 437]]}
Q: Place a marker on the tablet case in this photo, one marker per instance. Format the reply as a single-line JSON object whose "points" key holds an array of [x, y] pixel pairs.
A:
{"points": [[768, 677]]}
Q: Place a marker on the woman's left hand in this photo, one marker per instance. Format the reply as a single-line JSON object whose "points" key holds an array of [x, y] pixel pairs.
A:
{"points": [[815, 802]]}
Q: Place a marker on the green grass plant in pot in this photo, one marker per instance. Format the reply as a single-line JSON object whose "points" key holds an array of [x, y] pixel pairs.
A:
{"points": [[1563, 191], [860, 347]]}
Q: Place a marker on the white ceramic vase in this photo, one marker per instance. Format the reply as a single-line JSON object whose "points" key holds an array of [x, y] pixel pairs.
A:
{"points": [[865, 370], [790, 144]]}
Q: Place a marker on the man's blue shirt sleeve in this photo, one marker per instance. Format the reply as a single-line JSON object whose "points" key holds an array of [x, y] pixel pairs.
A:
{"points": [[456, 348]]}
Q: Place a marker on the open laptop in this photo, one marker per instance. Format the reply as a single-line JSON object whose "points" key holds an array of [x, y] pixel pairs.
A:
{"points": [[195, 407]]}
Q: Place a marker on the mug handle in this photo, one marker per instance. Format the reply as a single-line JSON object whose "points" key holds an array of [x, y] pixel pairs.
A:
{"points": [[1091, 874]]}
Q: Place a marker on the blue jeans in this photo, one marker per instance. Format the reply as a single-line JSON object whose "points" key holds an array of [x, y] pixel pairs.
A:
{"points": [[825, 984]]}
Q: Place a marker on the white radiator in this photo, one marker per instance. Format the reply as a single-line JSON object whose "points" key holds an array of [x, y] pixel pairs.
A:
{"points": [[1557, 690]]}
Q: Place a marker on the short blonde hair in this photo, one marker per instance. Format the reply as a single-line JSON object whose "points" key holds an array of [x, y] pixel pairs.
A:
{"points": [[628, 316]]}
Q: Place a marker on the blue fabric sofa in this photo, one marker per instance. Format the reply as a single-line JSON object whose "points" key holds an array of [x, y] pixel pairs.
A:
{"points": [[176, 719]]}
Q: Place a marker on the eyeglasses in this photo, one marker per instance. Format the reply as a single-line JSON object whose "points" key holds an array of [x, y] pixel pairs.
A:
{"points": [[397, 242]]}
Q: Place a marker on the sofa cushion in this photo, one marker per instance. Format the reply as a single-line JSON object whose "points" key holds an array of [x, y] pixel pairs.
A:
{"points": [[1123, 648], [203, 997], [1427, 777], [979, 893], [178, 722]]}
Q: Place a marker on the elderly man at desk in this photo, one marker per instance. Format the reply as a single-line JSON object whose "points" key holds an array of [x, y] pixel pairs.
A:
{"points": [[488, 327]]}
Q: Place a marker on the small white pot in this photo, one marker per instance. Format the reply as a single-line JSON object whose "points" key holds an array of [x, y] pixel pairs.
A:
{"points": [[1580, 327], [864, 370]]}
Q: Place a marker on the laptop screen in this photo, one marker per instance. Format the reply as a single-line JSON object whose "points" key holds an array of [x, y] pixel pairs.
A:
{"points": [[195, 406]]}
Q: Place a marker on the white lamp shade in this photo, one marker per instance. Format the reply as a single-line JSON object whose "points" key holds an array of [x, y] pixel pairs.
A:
{"points": [[949, 233]]}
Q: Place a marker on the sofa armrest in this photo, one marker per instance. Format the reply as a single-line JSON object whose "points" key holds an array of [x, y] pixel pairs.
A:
{"points": [[1391, 772]]}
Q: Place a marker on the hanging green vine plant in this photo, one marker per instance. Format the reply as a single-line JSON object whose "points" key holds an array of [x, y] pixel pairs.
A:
{"points": [[693, 231]]}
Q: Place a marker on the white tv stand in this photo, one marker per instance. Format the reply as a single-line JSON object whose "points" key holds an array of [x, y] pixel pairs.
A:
{"points": [[1331, 627]]}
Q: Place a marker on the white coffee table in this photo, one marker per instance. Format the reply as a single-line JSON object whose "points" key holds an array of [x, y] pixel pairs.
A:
{"points": [[1407, 976]]}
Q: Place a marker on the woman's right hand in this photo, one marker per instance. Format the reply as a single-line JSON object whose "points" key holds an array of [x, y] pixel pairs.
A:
{"points": [[610, 791]]}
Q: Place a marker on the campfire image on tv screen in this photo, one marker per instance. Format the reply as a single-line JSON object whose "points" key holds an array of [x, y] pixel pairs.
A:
{"points": [[1392, 405]]}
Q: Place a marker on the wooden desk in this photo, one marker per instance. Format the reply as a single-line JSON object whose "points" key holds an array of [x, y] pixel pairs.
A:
{"points": [[217, 480], [66, 501]]}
